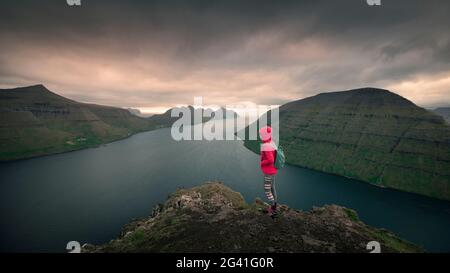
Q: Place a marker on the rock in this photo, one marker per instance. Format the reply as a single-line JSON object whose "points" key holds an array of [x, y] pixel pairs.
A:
{"points": [[214, 218]]}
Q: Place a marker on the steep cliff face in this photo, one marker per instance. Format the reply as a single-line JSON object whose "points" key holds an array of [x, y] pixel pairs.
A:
{"points": [[214, 218], [35, 121], [368, 134]]}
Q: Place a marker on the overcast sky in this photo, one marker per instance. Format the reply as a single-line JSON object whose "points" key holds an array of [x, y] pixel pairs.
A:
{"points": [[154, 55]]}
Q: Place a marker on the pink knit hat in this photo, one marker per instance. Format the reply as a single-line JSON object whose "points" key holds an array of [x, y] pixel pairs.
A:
{"points": [[265, 133]]}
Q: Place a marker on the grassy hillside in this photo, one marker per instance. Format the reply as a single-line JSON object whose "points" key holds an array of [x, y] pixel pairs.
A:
{"points": [[34, 121], [368, 134]]}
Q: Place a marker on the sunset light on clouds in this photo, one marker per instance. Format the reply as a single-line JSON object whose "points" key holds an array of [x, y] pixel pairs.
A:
{"points": [[153, 55]]}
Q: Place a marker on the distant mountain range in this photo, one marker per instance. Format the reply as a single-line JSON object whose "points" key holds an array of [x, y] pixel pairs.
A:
{"points": [[368, 134], [35, 121], [137, 112], [166, 118], [223, 113], [444, 112]]}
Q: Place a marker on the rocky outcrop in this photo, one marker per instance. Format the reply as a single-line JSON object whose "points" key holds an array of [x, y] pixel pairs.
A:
{"points": [[214, 218], [371, 135]]}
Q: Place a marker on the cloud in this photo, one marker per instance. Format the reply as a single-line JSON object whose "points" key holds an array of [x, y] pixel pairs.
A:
{"points": [[156, 54]]}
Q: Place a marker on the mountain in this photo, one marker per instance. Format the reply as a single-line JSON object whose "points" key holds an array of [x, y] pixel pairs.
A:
{"points": [[213, 218], [35, 121], [368, 134], [225, 113], [166, 120], [136, 112], [444, 112]]}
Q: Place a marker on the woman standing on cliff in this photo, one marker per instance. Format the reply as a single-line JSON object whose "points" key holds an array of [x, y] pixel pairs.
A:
{"points": [[268, 158]]}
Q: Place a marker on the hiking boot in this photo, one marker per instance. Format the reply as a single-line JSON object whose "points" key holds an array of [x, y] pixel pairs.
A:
{"points": [[274, 211], [269, 210], [274, 206]]}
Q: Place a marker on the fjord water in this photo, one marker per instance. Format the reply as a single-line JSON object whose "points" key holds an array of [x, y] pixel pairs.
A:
{"points": [[88, 195]]}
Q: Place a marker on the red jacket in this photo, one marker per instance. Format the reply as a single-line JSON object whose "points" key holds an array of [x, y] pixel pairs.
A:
{"points": [[268, 157]]}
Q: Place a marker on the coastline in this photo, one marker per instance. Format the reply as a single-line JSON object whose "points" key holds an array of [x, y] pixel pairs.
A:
{"points": [[80, 148]]}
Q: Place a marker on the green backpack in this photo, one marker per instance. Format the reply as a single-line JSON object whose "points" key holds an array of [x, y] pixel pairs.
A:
{"points": [[281, 159]]}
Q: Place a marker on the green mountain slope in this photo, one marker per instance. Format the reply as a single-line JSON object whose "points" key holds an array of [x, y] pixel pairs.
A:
{"points": [[368, 134], [35, 121], [213, 218]]}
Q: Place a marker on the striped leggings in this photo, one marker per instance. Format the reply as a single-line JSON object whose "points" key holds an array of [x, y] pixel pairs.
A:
{"points": [[269, 188]]}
